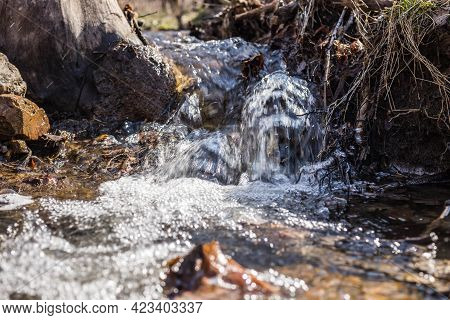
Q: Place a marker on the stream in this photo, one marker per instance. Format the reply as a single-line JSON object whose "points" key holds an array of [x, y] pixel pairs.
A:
{"points": [[238, 164]]}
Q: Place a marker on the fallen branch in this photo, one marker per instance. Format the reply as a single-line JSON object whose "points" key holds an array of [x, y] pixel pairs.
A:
{"points": [[132, 18], [307, 13], [270, 7], [148, 14], [367, 5], [328, 55]]}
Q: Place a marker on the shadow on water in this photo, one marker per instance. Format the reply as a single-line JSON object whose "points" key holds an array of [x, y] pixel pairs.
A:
{"points": [[401, 213]]}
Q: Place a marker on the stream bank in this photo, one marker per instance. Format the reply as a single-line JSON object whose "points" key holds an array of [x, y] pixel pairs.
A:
{"points": [[238, 162], [306, 233]]}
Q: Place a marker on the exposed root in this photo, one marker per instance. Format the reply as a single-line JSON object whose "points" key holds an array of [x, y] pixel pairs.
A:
{"points": [[398, 35], [382, 67]]}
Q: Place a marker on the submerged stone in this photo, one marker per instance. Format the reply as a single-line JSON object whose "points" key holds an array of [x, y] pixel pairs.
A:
{"points": [[17, 148]]}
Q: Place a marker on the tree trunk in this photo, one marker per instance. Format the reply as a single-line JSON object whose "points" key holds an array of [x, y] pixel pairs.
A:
{"points": [[59, 45]]}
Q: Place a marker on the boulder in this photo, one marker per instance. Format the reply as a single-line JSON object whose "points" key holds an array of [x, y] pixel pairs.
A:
{"points": [[10, 79], [20, 118], [17, 149], [134, 82]]}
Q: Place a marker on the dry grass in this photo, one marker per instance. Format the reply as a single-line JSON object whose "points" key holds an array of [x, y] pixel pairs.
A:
{"points": [[393, 40], [399, 79]]}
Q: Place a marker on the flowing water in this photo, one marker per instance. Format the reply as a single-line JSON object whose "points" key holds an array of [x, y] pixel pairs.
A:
{"points": [[237, 164]]}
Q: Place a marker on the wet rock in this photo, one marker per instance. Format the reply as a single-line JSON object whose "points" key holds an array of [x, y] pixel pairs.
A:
{"points": [[145, 90], [16, 149], [336, 204], [206, 269], [48, 145], [190, 111], [21, 118], [218, 70], [252, 66], [10, 79]]}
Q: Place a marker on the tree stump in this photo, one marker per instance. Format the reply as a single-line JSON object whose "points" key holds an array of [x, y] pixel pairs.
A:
{"points": [[58, 45]]}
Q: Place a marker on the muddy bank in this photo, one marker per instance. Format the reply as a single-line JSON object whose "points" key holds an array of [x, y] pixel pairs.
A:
{"points": [[75, 161]]}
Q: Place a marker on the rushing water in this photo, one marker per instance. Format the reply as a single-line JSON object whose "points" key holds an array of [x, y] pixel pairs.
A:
{"points": [[250, 181]]}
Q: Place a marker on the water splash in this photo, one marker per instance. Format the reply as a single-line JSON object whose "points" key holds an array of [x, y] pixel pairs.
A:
{"points": [[11, 200], [269, 126], [280, 132], [212, 156], [114, 247], [215, 67]]}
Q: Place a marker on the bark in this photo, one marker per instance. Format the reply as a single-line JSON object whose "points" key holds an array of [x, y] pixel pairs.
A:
{"points": [[270, 7], [58, 45]]}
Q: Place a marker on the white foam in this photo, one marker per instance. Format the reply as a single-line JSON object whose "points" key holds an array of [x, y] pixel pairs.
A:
{"points": [[12, 201]]}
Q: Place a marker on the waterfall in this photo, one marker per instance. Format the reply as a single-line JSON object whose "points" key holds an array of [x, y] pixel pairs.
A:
{"points": [[280, 132], [265, 128]]}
